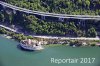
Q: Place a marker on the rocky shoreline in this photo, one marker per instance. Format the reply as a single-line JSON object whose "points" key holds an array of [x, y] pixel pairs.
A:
{"points": [[47, 40]]}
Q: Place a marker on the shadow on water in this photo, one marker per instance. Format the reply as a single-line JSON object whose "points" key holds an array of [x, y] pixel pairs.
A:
{"points": [[1, 64], [22, 49], [98, 61], [30, 51], [98, 64]]}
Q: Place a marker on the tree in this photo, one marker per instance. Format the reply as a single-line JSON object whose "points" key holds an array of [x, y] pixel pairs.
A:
{"points": [[92, 32], [87, 3], [59, 6], [1, 17]]}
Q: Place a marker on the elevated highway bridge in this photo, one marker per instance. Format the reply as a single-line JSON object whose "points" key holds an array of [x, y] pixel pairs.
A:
{"points": [[43, 15]]}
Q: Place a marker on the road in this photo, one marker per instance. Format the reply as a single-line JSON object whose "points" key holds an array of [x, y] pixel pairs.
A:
{"points": [[83, 17], [8, 28], [52, 37], [68, 38]]}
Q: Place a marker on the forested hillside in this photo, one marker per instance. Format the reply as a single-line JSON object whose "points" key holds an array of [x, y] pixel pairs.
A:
{"points": [[34, 25], [73, 28], [90, 7]]}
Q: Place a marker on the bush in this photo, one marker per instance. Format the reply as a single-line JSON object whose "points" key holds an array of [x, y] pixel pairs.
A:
{"points": [[93, 44]]}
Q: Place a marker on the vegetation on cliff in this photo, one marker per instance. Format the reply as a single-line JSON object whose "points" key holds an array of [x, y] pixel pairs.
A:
{"points": [[90, 7]]}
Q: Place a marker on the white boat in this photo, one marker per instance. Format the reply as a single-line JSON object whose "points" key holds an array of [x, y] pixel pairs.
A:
{"points": [[74, 46], [31, 45]]}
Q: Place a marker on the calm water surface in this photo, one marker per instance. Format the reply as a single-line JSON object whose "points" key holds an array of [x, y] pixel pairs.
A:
{"points": [[11, 55]]}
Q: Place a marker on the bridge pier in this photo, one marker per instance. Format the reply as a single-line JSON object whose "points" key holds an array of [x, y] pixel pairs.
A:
{"points": [[96, 20], [43, 17], [14, 11], [8, 11], [2, 8], [78, 22], [82, 22], [61, 19]]}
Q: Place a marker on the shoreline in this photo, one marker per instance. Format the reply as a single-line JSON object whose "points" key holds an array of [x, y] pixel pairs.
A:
{"points": [[47, 40], [54, 45], [7, 36], [52, 37]]}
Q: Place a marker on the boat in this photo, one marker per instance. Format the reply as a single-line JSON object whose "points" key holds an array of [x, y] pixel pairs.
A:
{"points": [[31, 45], [74, 45]]}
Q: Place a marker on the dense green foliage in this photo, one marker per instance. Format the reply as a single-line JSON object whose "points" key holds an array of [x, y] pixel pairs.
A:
{"points": [[33, 25], [20, 37], [16, 36], [90, 7]]}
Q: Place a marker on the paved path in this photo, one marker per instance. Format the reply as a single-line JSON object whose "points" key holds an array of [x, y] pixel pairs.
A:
{"points": [[51, 37], [8, 28], [66, 38]]}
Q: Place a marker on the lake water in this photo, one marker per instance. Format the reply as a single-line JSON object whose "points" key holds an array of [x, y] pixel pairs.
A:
{"points": [[11, 55]]}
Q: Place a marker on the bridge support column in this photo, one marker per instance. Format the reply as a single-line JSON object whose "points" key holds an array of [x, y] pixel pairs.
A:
{"points": [[61, 19], [2, 8], [96, 20], [14, 11], [79, 21], [83, 23], [43, 17], [8, 11]]}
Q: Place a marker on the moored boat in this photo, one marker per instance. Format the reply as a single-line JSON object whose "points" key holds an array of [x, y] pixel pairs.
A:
{"points": [[31, 45]]}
